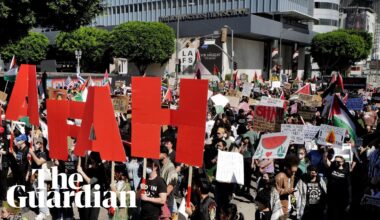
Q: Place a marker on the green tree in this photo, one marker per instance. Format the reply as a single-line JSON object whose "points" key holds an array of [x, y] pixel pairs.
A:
{"points": [[18, 17], [93, 43], [30, 49], [368, 40], [66, 15], [143, 43], [337, 50]]}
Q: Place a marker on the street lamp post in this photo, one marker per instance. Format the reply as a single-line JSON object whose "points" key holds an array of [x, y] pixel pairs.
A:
{"points": [[78, 56], [232, 49]]}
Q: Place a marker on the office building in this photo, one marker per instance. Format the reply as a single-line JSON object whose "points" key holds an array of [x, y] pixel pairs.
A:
{"points": [[327, 12]]}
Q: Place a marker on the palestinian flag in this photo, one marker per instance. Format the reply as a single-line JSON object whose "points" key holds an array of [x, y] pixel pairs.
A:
{"points": [[341, 117], [11, 74], [305, 90], [105, 79]]}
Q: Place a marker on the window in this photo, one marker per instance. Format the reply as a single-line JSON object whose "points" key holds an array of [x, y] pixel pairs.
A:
{"points": [[327, 5], [118, 9], [113, 10], [328, 22], [122, 9]]}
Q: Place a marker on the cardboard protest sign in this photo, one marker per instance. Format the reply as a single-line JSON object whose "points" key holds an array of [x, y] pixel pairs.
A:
{"points": [[296, 132], [331, 135], [253, 102], [266, 101], [120, 103], [230, 167], [267, 118], [3, 97], [310, 132], [148, 117], [344, 151], [234, 101], [310, 100], [308, 114], [25, 88], [247, 88], [256, 89], [272, 146], [57, 94], [355, 104], [119, 83]]}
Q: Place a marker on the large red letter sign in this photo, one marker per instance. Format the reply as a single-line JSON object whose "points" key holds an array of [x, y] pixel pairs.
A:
{"points": [[24, 100], [99, 116], [58, 112], [148, 117]]}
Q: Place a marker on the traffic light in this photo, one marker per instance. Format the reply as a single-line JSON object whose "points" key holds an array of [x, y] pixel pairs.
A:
{"points": [[223, 35], [235, 66]]}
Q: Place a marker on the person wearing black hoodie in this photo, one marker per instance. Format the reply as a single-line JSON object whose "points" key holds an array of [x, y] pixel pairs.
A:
{"points": [[338, 187]]}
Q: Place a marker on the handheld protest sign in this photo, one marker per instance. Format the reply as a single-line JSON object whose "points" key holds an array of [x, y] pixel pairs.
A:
{"points": [[148, 117], [99, 131], [188, 195], [24, 98]]}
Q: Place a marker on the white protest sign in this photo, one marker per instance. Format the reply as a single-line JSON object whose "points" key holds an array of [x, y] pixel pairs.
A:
{"points": [[310, 131], [272, 146], [230, 167], [187, 56], [276, 84], [247, 88], [256, 89], [219, 99], [313, 87], [344, 151], [182, 215], [266, 101], [331, 135], [296, 133]]}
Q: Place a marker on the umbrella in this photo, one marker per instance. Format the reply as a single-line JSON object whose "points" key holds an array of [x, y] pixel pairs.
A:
{"points": [[220, 100]]}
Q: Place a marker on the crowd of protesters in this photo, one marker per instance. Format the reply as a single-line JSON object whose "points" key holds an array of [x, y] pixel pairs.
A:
{"points": [[307, 184]]}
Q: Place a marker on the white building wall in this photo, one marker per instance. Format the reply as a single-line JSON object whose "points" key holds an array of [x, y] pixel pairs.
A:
{"points": [[322, 13]]}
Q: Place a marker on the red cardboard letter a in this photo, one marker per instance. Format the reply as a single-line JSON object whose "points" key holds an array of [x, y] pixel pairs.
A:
{"points": [[24, 101]]}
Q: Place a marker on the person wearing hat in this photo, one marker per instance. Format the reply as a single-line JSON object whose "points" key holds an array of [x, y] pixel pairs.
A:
{"points": [[19, 161]]}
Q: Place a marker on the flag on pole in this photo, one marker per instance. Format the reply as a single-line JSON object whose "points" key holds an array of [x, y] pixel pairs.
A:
{"points": [[168, 96], [304, 90], [11, 74], [69, 82], [105, 79], [341, 117]]}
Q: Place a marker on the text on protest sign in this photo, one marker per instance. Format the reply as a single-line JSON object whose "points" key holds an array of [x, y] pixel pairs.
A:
{"points": [[247, 88], [148, 117], [234, 101], [120, 103], [344, 151], [354, 104], [267, 118], [266, 101], [331, 135], [272, 146], [310, 132], [230, 167], [296, 132]]}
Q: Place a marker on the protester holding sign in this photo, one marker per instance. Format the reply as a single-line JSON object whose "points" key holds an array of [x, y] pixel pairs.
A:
{"points": [[338, 187]]}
